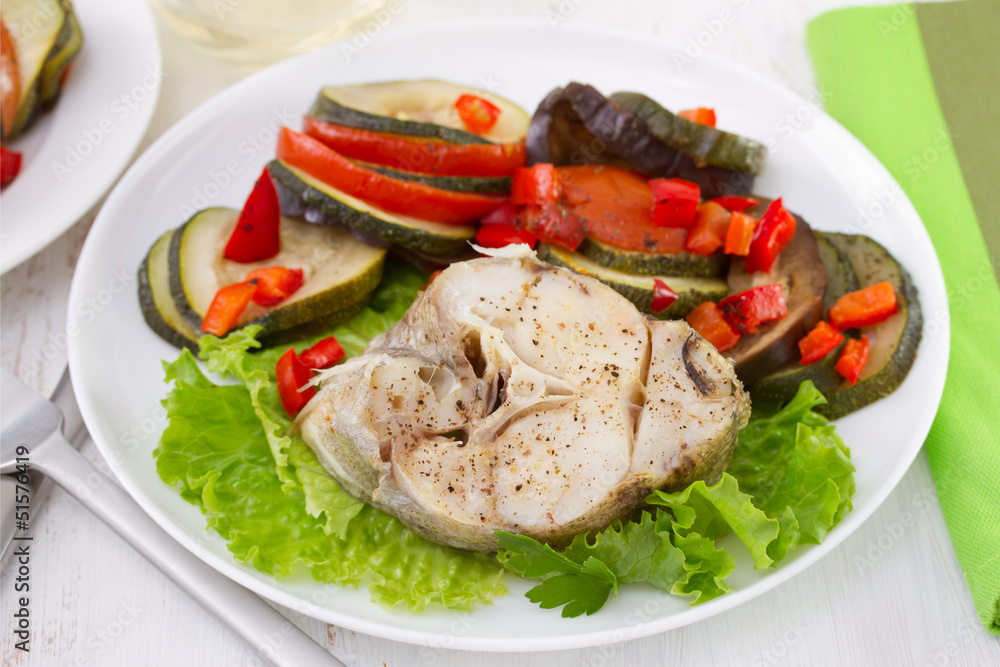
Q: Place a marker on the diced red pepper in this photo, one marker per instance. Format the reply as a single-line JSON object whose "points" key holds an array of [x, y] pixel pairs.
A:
{"points": [[10, 165], [257, 235], [663, 296], [748, 310], [702, 115], [500, 235], [323, 353], [707, 320], [864, 307], [226, 308], [735, 202], [478, 114], [430, 278], [275, 284], [739, 234], [553, 224], [293, 375], [674, 202], [819, 342], [505, 214], [538, 185], [853, 359], [418, 154], [775, 229], [391, 194], [709, 231]]}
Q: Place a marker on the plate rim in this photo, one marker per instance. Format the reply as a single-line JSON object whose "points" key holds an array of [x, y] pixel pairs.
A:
{"points": [[232, 569]]}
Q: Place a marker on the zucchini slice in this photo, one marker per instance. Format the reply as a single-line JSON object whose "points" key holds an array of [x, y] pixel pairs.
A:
{"points": [[301, 193], [340, 271], [784, 382], [894, 341], [484, 185], [424, 108], [640, 263], [46, 39], [702, 142], [639, 289], [156, 301]]}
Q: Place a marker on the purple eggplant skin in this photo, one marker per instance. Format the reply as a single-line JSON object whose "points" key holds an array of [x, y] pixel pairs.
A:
{"points": [[579, 125], [803, 280]]}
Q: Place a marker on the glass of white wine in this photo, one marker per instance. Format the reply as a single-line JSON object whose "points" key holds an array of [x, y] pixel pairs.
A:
{"points": [[255, 33]]}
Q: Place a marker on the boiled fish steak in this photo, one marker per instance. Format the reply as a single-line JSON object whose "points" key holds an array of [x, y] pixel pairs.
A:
{"points": [[518, 396]]}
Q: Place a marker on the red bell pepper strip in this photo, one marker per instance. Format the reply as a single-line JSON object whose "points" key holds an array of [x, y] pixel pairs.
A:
{"points": [[323, 354], [422, 155], [478, 114], [390, 194], [257, 235], [663, 296], [293, 375], [614, 207], [702, 115], [500, 235], [10, 165], [775, 229], [709, 231], [553, 224], [226, 308], [748, 310], [735, 202], [674, 202], [274, 284], [864, 307], [506, 214], [853, 359], [708, 321], [739, 234], [538, 185], [819, 342]]}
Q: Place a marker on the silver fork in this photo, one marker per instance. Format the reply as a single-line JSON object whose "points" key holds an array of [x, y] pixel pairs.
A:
{"points": [[31, 434]]}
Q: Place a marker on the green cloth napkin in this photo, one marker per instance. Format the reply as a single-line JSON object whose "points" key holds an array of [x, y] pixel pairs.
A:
{"points": [[920, 86]]}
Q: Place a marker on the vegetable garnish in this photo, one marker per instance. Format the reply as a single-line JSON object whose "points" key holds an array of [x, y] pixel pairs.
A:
{"points": [[10, 165], [478, 114], [790, 481], [428, 156], [293, 376], [323, 354], [775, 229], [257, 236], [274, 284], [739, 233], [538, 185], [707, 319], [11, 91], [702, 115], [758, 305], [864, 307], [674, 202], [709, 231], [663, 296], [226, 308], [853, 359], [390, 194], [553, 224], [735, 202], [819, 342], [498, 235]]}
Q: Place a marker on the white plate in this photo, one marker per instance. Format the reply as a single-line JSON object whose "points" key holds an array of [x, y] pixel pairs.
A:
{"points": [[209, 158], [74, 153]]}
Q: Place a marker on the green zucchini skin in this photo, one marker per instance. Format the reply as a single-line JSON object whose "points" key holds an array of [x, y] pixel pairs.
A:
{"points": [[328, 308], [704, 143], [147, 302], [316, 200], [873, 264], [690, 291], [651, 264], [484, 185]]}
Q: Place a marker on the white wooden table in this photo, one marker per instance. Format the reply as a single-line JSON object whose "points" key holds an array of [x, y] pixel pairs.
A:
{"points": [[892, 594]]}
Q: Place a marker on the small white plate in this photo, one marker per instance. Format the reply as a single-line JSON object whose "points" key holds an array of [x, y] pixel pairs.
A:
{"points": [[74, 153], [213, 156]]}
